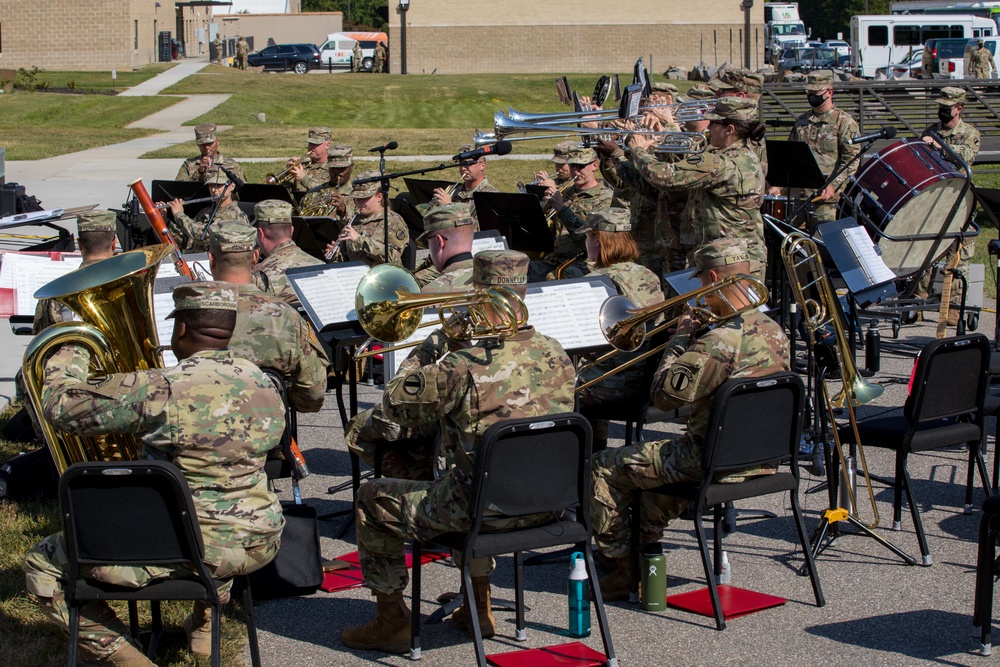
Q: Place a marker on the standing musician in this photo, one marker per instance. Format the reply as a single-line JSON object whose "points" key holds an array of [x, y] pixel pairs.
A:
{"points": [[363, 238], [473, 175], [196, 416], [828, 132], [692, 368], [268, 332], [963, 138], [332, 199], [588, 194], [742, 82], [463, 388], [273, 220], [315, 173], [189, 233], [612, 252], [195, 168], [725, 184]]}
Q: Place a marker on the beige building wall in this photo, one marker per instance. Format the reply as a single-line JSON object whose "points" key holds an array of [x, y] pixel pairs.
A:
{"points": [[456, 36], [311, 28]]}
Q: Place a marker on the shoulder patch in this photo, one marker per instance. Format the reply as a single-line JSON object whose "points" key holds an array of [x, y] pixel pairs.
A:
{"points": [[413, 385], [680, 377], [695, 159], [400, 234], [108, 385]]}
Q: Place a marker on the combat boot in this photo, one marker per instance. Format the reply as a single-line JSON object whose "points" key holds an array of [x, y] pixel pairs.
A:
{"points": [[617, 583], [126, 655], [389, 631], [198, 628], [484, 609]]}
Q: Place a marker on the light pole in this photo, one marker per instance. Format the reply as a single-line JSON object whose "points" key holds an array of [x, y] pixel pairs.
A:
{"points": [[747, 6], [403, 6]]}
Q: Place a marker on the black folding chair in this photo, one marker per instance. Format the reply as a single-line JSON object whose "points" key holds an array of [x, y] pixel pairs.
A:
{"points": [[137, 513], [944, 408], [557, 480], [754, 422], [986, 570]]}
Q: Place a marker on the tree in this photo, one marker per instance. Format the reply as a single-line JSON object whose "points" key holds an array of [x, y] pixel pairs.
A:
{"points": [[828, 17], [358, 14]]}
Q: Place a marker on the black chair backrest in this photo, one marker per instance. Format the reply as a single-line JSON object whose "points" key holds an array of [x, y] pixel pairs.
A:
{"points": [[754, 422], [950, 378], [409, 255], [129, 512], [528, 466]]}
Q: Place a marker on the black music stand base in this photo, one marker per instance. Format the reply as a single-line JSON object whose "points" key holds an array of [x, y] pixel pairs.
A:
{"points": [[828, 528]]}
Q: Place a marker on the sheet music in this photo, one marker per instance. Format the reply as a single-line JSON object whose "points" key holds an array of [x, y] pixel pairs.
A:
{"points": [[162, 305], [328, 293], [871, 261], [569, 311], [430, 316], [25, 274], [491, 242], [168, 270], [33, 216]]}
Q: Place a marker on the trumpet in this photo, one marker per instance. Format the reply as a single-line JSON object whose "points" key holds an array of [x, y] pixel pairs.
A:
{"points": [[625, 326], [284, 177], [390, 309], [692, 110], [671, 142]]}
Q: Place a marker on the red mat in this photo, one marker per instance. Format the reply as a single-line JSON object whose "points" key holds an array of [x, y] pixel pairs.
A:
{"points": [[341, 580], [735, 601], [574, 653]]}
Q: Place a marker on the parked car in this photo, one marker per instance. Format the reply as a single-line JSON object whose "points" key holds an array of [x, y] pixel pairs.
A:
{"points": [[841, 62], [936, 49], [805, 60], [909, 66], [950, 58], [298, 58], [842, 48]]}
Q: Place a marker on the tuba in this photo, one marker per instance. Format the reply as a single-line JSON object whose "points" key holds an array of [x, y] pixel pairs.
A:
{"points": [[114, 298]]}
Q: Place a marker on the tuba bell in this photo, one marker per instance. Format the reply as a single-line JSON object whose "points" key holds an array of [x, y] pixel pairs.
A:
{"points": [[114, 298]]}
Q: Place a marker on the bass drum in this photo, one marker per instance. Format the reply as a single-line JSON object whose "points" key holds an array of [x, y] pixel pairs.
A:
{"points": [[908, 189]]}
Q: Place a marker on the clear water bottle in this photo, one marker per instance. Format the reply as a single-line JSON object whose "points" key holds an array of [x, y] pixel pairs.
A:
{"points": [[725, 570], [579, 597]]}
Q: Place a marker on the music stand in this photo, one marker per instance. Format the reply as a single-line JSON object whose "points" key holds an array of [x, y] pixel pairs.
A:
{"points": [[518, 217], [411, 216], [422, 189], [313, 233], [791, 164], [257, 192], [164, 191], [537, 190]]}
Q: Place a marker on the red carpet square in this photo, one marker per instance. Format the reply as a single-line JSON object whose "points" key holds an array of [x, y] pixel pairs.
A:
{"points": [[735, 601], [342, 580], [574, 653]]}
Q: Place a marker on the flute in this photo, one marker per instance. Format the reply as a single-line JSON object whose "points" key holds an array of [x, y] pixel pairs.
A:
{"points": [[336, 248], [199, 200]]}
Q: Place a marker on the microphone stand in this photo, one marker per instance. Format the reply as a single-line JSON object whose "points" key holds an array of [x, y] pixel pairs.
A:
{"points": [[237, 183]]}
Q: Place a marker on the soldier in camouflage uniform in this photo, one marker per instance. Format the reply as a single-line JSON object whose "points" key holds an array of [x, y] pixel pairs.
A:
{"points": [[613, 252], [641, 199], [379, 59], [742, 82], [215, 416], [96, 237], [190, 234], [465, 392], [273, 219], [242, 51], [588, 194], [315, 172], [448, 232], [692, 368], [828, 132], [364, 240], [725, 183], [981, 63], [332, 199], [269, 332], [473, 175], [194, 168], [963, 138], [356, 57]]}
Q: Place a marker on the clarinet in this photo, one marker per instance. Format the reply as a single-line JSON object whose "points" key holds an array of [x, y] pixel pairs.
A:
{"points": [[336, 248]]}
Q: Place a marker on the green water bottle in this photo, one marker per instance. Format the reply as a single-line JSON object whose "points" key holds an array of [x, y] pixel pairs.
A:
{"points": [[654, 577], [579, 597]]}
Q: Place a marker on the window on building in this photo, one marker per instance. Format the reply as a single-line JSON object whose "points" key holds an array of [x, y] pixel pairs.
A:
{"points": [[878, 35]]}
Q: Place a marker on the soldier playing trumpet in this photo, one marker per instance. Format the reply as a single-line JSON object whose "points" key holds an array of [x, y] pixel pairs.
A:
{"points": [[310, 175], [196, 168]]}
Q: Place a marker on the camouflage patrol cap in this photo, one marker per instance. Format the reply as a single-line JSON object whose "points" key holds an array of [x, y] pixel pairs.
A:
{"points": [[339, 155], [821, 79], [721, 252], [96, 221], [365, 190], [580, 155], [204, 133], [700, 92], [951, 96], [610, 220], [501, 268], [446, 217], [232, 236], [739, 79], [561, 150], [272, 212], [665, 87], [318, 135], [208, 295], [733, 108], [215, 177]]}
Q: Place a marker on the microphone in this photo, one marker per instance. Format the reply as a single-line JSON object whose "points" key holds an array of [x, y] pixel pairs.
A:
{"points": [[887, 132], [499, 148], [233, 177], [391, 146]]}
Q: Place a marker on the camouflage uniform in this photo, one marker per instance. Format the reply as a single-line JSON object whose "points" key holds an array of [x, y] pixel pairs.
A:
{"points": [[213, 415], [188, 232], [465, 392], [461, 195], [316, 173], [191, 168], [981, 62], [828, 135], [370, 244], [751, 345], [356, 57], [751, 84], [317, 201], [643, 200], [217, 44], [379, 62], [242, 51], [269, 273]]}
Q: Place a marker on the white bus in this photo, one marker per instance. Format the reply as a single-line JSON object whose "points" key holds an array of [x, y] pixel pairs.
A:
{"points": [[878, 41]]}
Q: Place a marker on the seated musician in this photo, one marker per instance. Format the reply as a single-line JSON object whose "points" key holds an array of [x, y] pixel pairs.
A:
{"points": [[273, 220], [191, 234], [196, 168], [332, 199], [473, 180], [562, 179], [363, 237], [269, 332], [448, 232], [463, 388], [588, 194], [314, 172], [696, 362], [193, 415], [612, 252]]}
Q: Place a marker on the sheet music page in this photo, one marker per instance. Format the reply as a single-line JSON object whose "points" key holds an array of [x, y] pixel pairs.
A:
{"points": [[568, 312], [497, 242], [422, 332], [25, 274], [330, 292], [162, 305], [871, 262]]}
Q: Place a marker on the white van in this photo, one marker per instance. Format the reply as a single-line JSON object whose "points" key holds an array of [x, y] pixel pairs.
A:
{"points": [[339, 46]]}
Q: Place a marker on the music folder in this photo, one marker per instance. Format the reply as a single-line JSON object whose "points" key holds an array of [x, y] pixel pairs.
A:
{"points": [[859, 261], [518, 217], [422, 189], [313, 233]]}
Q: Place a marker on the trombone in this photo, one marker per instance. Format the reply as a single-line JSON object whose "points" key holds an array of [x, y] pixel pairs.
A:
{"points": [[284, 177], [624, 324], [692, 110], [390, 309], [672, 142]]}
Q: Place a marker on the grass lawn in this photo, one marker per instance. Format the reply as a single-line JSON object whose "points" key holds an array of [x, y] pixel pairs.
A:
{"points": [[100, 81]]}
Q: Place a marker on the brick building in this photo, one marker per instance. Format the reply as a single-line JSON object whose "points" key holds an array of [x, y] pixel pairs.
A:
{"points": [[457, 36]]}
